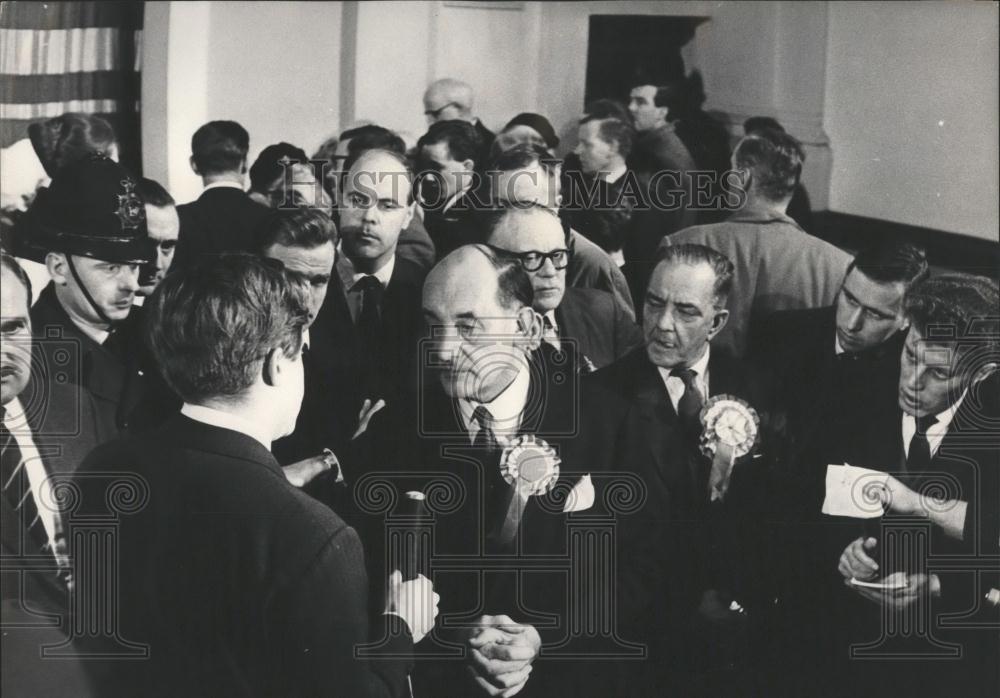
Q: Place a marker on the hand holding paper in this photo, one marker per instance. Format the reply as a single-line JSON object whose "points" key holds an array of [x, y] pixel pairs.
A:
{"points": [[855, 492]]}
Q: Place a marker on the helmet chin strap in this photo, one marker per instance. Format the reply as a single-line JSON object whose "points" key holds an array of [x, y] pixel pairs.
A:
{"points": [[86, 294]]}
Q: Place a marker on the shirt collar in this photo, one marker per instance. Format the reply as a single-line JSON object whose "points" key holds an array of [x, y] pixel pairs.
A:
{"points": [[700, 367], [506, 408], [226, 420], [223, 185], [349, 276], [837, 349], [13, 415]]}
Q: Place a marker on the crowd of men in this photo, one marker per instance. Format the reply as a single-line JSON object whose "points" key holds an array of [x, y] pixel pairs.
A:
{"points": [[471, 420]]}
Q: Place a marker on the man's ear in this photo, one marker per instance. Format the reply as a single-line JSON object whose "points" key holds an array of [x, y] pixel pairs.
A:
{"points": [[271, 369], [664, 112], [408, 218], [529, 323], [468, 165], [718, 322], [194, 167], [55, 263]]}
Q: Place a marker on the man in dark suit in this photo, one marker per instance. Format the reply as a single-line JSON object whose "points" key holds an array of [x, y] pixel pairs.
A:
{"points": [[586, 318], [694, 582], [363, 343], [945, 477], [235, 581], [601, 194], [447, 160], [836, 366], [93, 226], [224, 217], [484, 403], [43, 424]]}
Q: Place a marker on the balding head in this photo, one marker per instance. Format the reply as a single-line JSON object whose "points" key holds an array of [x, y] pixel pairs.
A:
{"points": [[477, 304], [447, 99], [377, 205]]}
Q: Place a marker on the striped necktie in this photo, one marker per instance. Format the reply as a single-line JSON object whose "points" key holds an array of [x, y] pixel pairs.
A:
{"points": [[16, 485]]}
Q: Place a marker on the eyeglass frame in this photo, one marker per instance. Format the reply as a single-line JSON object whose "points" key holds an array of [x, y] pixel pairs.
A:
{"points": [[542, 256]]}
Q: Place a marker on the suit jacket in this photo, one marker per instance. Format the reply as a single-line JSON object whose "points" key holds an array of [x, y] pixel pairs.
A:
{"points": [[111, 373], [601, 329], [591, 267], [335, 382], [492, 577], [453, 228], [778, 267], [679, 544], [486, 138], [222, 219], [829, 398], [239, 583], [416, 246]]}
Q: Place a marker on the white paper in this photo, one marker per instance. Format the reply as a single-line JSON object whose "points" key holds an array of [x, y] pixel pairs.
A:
{"points": [[855, 492]]}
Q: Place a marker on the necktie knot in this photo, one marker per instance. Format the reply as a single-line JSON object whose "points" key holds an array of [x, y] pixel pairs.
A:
{"points": [[483, 417], [926, 422], [368, 283], [485, 438], [687, 376]]}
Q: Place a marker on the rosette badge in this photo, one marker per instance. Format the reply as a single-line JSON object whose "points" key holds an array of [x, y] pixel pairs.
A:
{"points": [[730, 428], [532, 467]]}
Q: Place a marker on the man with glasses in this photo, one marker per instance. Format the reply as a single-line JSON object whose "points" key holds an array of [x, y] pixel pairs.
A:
{"points": [[448, 99], [586, 318]]}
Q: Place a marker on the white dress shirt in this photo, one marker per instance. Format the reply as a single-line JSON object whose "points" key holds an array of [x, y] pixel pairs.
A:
{"points": [[226, 420], [550, 333], [675, 386], [17, 424], [935, 432], [350, 277], [507, 408], [224, 184]]}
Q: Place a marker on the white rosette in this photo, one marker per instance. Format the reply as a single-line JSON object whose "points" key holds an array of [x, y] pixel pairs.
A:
{"points": [[532, 467], [730, 428]]}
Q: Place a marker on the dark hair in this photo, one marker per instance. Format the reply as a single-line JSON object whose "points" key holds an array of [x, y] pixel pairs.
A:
{"points": [[460, 136], [12, 265], [537, 122], [888, 261], [958, 306], [153, 193], [692, 254], [65, 139], [524, 155], [219, 146], [673, 97], [761, 123], [605, 109], [514, 290], [614, 131], [775, 160], [371, 136], [267, 168], [304, 227], [211, 325]]}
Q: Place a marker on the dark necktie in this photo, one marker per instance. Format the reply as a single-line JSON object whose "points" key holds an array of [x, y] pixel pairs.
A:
{"points": [[17, 486], [371, 304], [486, 438], [550, 332], [918, 459], [689, 406]]}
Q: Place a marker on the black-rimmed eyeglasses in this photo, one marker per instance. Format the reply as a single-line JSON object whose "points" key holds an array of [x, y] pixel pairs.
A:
{"points": [[533, 260]]}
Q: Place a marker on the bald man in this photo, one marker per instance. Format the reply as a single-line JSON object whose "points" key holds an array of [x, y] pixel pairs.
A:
{"points": [[448, 99], [481, 396]]}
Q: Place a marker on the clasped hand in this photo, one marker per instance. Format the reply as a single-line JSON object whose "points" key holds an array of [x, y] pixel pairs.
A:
{"points": [[500, 654]]}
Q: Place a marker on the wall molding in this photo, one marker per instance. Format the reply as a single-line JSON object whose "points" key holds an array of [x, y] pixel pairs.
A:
{"points": [[952, 251]]}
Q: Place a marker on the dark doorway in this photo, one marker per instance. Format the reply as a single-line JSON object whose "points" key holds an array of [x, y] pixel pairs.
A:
{"points": [[624, 50]]}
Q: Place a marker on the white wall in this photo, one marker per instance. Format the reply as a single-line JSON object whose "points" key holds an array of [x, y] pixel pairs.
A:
{"points": [[272, 66], [911, 110]]}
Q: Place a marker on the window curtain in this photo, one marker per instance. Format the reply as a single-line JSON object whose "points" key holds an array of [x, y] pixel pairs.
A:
{"points": [[59, 57]]}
